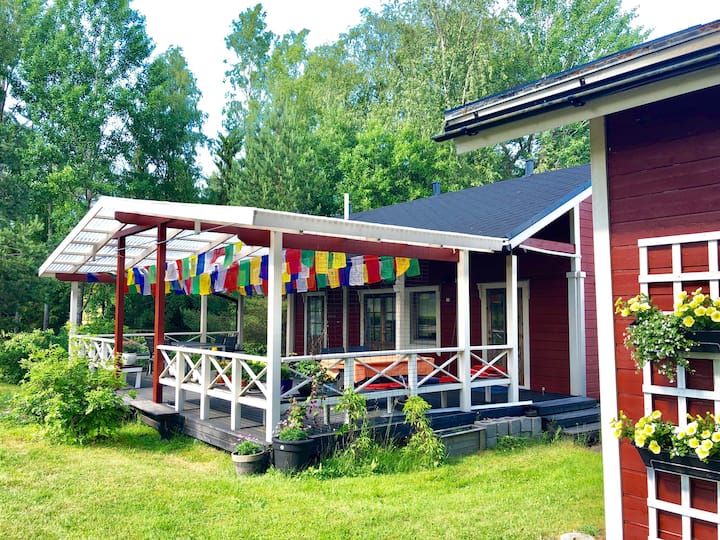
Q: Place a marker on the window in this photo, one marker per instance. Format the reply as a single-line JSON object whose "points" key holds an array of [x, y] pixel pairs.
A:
{"points": [[314, 323], [423, 317]]}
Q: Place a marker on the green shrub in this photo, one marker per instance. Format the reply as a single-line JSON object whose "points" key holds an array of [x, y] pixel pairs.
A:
{"points": [[72, 403], [423, 445], [99, 326], [18, 347]]}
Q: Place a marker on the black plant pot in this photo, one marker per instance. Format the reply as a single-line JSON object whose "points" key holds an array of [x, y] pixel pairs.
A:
{"points": [[293, 455], [706, 341], [689, 465]]}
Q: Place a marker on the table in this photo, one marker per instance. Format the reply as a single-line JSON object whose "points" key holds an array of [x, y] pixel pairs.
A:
{"points": [[381, 363]]}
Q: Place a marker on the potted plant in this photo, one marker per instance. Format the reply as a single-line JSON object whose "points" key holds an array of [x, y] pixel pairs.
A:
{"points": [[664, 339], [131, 349], [293, 448], [693, 449], [250, 457], [313, 374]]}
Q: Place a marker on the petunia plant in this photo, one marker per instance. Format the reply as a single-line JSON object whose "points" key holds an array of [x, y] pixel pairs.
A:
{"points": [[700, 437]]}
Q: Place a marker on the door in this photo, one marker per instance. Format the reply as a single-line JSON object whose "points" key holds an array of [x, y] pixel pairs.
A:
{"points": [[495, 302]]}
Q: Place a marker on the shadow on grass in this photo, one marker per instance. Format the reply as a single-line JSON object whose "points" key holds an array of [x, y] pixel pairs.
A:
{"points": [[134, 434]]}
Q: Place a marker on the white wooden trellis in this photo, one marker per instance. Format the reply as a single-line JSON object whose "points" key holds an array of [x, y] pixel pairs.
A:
{"points": [[682, 394]]}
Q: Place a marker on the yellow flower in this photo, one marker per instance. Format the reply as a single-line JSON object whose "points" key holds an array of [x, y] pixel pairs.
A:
{"points": [[699, 311], [715, 316], [701, 453], [693, 443], [619, 301], [625, 312], [617, 433], [639, 441], [716, 303], [691, 428], [656, 415], [688, 321], [706, 445], [682, 295], [710, 310], [681, 435], [649, 429], [715, 437], [706, 434], [634, 306], [654, 447], [683, 309]]}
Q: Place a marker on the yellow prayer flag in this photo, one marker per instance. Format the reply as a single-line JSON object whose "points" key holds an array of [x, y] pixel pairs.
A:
{"points": [[339, 260], [130, 277], [365, 273], [402, 264], [333, 278], [255, 271], [321, 262], [167, 287], [238, 247], [205, 284], [193, 266]]}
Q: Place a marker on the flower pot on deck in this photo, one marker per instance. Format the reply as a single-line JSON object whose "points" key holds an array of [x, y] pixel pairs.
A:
{"points": [[246, 464], [129, 358], [293, 455]]}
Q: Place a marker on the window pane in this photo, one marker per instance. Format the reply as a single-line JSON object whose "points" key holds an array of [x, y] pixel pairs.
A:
{"points": [[424, 316], [379, 312]]}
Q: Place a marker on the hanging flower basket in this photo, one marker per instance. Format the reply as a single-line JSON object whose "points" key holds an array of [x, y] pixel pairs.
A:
{"points": [[689, 465], [706, 341]]}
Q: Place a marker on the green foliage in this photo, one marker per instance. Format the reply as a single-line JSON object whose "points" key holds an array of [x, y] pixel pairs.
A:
{"points": [[15, 348], [423, 446], [73, 403], [247, 447]]}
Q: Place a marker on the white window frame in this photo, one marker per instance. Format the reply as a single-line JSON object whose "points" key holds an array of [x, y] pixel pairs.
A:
{"points": [[425, 343], [524, 286], [306, 318]]}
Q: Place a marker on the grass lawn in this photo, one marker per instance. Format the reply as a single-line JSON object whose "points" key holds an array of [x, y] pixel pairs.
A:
{"points": [[137, 486]]}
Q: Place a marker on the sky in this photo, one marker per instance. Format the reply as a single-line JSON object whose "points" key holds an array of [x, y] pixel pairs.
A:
{"points": [[200, 29]]}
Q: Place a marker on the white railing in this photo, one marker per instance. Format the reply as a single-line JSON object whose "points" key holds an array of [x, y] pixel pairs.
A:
{"points": [[240, 378]]}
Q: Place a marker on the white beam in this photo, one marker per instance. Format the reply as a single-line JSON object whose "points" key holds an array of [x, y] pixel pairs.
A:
{"points": [[401, 315], [463, 328], [274, 332], [576, 311], [606, 330], [203, 318], [511, 295]]}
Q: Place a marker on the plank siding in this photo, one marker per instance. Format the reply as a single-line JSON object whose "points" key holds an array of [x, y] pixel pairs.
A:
{"points": [[663, 170]]}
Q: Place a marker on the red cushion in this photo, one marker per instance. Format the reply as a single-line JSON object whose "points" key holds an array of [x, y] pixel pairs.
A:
{"points": [[383, 386]]}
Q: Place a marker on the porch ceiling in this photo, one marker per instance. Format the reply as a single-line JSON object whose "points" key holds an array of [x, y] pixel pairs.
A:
{"points": [[91, 247]]}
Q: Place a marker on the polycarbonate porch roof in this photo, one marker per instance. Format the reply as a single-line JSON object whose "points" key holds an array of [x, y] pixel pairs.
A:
{"points": [[91, 247]]}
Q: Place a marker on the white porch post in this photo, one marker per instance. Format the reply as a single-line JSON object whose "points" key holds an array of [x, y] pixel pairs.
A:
{"points": [[203, 318], [290, 324], [240, 321], [576, 311], [401, 328], [75, 306], [345, 318], [512, 326], [612, 482], [274, 332], [463, 328]]}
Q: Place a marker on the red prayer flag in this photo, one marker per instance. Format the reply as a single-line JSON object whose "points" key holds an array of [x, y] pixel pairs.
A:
{"points": [[372, 263]]}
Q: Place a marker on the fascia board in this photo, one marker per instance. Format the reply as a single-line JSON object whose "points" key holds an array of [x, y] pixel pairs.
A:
{"points": [[593, 108], [549, 218]]}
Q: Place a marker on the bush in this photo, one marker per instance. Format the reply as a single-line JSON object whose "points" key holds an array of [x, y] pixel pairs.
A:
{"points": [[72, 403], [19, 347]]}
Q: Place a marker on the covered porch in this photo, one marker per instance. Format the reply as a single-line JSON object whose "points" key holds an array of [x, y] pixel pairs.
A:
{"points": [[151, 244]]}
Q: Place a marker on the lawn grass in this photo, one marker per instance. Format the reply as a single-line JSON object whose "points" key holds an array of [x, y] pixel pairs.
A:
{"points": [[137, 486]]}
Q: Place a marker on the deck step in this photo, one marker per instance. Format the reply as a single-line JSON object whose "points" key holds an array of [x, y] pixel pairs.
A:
{"points": [[572, 418], [556, 406], [202, 431], [156, 415], [588, 433]]}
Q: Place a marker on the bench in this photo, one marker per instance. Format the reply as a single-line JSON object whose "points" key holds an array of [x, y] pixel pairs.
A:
{"points": [[157, 415], [134, 369]]}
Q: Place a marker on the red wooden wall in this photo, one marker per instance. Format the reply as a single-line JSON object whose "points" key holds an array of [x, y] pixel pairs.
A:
{"points": [[592, 371], [664, 178]]}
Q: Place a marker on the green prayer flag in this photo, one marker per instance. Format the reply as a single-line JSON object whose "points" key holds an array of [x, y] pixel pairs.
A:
{"points": [[229, 254], [243, 274], [308, 258], [186, 268], [321, 280], [151, 275], [195, 285], [387, 267], [414, 269]]}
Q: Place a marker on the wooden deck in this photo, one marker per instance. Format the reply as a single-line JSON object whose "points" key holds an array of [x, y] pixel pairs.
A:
{"points": [[216, 429]]}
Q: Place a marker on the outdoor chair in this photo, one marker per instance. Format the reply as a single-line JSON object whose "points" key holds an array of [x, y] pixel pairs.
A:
{"points": [[150, 342], [229, 343]]}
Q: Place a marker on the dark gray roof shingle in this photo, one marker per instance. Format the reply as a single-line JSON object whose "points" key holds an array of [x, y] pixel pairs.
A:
{"points": [[500, 210]]}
